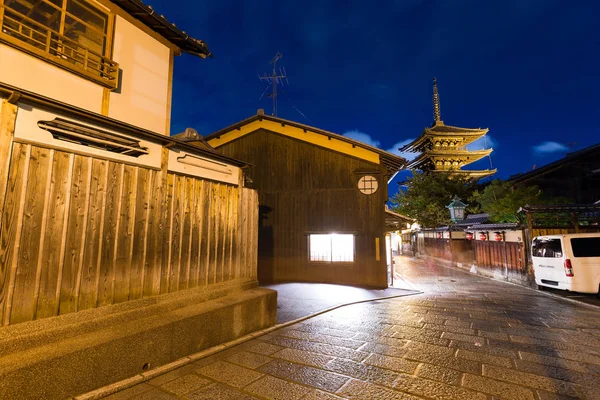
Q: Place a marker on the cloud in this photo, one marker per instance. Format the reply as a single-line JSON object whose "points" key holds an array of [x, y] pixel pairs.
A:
{"points": [[362, 137], [367, 139], [395, 150], [485, 142], [549, 147]]}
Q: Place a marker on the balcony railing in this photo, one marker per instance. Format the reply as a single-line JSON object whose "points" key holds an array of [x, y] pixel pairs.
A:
{"points": [[27, 34]]}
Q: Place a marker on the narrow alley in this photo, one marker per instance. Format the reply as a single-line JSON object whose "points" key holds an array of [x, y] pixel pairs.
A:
{"points": [[465, 337]]}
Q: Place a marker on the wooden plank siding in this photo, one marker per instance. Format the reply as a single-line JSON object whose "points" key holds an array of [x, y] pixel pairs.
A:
{"points": [[79, 232], [305, 188]]}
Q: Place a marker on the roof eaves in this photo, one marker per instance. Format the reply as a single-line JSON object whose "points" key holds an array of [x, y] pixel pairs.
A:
{"points": [[159, 24]]}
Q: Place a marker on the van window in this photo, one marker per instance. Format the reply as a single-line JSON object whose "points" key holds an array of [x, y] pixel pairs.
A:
{"points": [[549, 248], [586, 247]]}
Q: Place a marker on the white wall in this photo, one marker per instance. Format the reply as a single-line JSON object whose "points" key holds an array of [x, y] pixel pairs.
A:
{"points": [[35, 75], [144, 61]]}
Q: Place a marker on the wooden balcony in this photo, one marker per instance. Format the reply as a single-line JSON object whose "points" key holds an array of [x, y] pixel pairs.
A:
{"points": [[24, 33]]}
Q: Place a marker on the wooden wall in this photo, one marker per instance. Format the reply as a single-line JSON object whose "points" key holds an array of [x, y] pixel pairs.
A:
{"points": [[303, 189], [505, 256], [79, 232]]}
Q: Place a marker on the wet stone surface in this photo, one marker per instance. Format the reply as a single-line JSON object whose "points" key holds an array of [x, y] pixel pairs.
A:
{"points": [[465, 337]]}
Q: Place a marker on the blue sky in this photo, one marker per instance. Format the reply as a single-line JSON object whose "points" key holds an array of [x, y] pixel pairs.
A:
{"points": [[525, 69]]}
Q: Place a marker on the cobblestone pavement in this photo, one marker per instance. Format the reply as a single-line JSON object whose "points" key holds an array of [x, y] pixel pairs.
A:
{"points": [[466, 337]]}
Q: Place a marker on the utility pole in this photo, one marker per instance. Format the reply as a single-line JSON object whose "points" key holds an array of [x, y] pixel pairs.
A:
{"points": [[274, 79]]}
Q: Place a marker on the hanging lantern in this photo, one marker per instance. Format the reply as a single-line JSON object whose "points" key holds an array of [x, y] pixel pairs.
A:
{"points": [[482, 236], [439, 235], [469, 235], [498, 236]]}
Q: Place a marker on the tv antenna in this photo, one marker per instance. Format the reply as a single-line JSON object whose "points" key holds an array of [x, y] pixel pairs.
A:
{"points": [[273, 80]]}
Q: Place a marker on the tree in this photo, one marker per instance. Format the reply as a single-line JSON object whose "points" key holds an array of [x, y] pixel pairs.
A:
{"points": [[501, 201], [428, 194]]}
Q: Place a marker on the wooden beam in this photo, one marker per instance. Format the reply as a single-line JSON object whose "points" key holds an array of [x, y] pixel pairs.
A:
{"points": [[8, 118]]}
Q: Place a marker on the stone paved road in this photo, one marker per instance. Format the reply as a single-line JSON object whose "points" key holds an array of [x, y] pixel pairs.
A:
{"points": [[467, 337]]}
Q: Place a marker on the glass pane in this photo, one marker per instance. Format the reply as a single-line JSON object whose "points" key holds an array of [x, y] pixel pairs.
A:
{"points": [[320, 248], [342, 248], [93, 17], [83, 36], [586, 247], [548, 248]]}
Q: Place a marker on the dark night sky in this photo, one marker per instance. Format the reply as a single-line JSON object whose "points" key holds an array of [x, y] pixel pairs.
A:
{"points": [[525, 69]]}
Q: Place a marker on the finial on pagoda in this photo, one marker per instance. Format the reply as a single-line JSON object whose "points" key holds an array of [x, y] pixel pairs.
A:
{"points": [[436, 105]]}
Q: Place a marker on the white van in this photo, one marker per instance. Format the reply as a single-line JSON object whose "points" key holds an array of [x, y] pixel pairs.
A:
{"points": [[568, 262]]}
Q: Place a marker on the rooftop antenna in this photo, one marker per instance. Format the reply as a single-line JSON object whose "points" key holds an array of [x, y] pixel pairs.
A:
{"points": [[274, 79]]}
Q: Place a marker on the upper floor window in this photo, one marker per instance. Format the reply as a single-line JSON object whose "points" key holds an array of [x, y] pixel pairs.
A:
{"points": [[70, 33]]}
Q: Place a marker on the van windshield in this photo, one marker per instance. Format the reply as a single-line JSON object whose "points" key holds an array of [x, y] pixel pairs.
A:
{"points": [[586, 247], [545, 247]]}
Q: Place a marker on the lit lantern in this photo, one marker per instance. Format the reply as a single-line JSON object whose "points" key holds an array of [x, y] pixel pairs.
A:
{"points": [[439, 235], [482, 236], [469, 235], [498, 236], [457, 209]]}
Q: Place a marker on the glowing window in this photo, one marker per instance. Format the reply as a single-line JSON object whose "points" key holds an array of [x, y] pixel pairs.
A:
{"points": [[331, 247]]}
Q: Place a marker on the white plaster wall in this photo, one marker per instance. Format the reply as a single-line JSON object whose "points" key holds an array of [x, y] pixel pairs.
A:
{"points": [[144, 62], [202, 167], [35, 75], [27, 130]]}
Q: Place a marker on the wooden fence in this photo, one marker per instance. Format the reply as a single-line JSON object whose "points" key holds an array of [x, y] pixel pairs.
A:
{"points": [[502, 256], [79, 232], [438, 248]]}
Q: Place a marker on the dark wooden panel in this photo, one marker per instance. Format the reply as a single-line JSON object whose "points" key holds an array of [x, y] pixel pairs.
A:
{"points": [[196, 234], [304, 188], [186, 233], [124, 234]]}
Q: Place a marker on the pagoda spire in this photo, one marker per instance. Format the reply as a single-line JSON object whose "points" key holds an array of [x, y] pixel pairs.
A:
{"points": [[436, 105]]}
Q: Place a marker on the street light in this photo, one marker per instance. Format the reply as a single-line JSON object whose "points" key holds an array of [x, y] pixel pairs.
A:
{"points": [[457, 209]]}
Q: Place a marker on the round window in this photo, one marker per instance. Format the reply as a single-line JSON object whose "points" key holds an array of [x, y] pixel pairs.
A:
{"points": [[368, 184]]}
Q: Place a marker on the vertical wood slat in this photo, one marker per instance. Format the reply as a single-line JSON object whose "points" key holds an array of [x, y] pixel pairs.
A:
{"points": [[168, 245], [157, 228], [214, 233], [222, 232], [196, 235], [185, 233], [176, 231], [63, 239], [42, 233], [75, 240], [10, 230], [206, 234], [143, 182], [124, 234], [28, 254], [54, 235], [254, 235], [103, 259]]}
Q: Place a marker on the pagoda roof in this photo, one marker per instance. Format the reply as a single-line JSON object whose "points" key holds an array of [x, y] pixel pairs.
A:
{"points": [[473, 155], [440, 130], [471, 173]]}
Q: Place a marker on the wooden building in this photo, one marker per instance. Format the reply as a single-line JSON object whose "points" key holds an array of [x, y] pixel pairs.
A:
{"points": [[444, 148], [575, 176], [321, 196], [121, 248]]}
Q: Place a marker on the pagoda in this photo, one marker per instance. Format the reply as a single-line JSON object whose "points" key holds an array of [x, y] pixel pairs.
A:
{"points": [[443, 147]]}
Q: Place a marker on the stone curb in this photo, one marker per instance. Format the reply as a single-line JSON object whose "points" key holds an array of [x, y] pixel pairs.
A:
{"points": [[146, 376]]}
